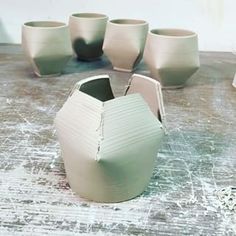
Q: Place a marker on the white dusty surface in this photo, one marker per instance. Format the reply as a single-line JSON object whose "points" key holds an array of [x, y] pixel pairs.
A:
{"points": [[197, 159]]}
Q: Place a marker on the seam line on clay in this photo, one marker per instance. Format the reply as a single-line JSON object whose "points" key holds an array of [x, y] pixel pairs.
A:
{"points": [[100, 134]]}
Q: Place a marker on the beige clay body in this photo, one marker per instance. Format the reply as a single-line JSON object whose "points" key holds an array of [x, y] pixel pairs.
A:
{"points": [[124, 43], [87, 34], [47, 46], [172, 56]]}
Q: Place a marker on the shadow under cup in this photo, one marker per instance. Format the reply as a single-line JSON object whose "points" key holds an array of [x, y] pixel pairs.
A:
{"points": [[47, 46], [172, 56]]}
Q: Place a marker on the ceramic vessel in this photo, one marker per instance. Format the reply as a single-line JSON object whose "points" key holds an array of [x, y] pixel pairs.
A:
{"points": [[108, 144], [172, 56], [124, 43], [87, 34], [47, 46]]}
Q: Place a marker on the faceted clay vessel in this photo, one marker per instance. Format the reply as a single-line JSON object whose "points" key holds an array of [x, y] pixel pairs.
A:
{"points": [[124, 43], [87, 34], [47, 46], [172, 56], [108, 144]]}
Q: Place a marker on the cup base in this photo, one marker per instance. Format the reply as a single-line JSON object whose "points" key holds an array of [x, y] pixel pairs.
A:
{"points": [[167, 86], [47, 76], [88, 59], [122, 69], [172, 87]]}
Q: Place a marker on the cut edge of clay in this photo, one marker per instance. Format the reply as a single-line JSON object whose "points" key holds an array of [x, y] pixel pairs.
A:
{"points": [[79, 83], [234, 81], [158, 92]]}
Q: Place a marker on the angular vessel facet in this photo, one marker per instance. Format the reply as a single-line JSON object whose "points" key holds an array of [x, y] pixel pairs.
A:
{"points": [[150, 90]]}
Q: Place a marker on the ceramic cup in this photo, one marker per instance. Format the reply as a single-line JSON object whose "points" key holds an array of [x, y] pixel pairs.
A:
{"points": [[124, 43], [47, 46], [87, 34], [172, 56]]}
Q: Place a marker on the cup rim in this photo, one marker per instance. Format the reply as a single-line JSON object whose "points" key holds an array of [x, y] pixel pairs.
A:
{"points": [[45, 24], [173, 33], [89, 15], [128, 22]]}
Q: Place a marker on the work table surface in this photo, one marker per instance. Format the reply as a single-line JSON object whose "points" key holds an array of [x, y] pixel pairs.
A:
{"points": [[196, 161]]}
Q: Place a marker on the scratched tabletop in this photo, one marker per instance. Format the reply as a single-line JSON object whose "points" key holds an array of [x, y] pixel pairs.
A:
{"points": [[197, 159]]}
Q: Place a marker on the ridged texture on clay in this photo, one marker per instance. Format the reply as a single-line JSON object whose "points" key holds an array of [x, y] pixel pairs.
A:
{"points": [[109, 148]]}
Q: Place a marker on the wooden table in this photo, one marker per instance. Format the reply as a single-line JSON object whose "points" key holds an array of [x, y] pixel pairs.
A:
{"points": [[197, 159]]}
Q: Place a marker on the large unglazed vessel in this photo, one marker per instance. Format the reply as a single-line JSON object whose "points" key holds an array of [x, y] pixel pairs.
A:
{"points": [[172, 56], [124, 43], [47, 45], [108, 144], [87, 34]]}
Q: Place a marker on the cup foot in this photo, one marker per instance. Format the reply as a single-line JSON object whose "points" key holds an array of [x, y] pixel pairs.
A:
{"points": [[122, 69], [47, 76], [173, 87], [88, 59]]}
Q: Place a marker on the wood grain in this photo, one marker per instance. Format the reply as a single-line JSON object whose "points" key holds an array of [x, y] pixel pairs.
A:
{"points": [[198, 156]]}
